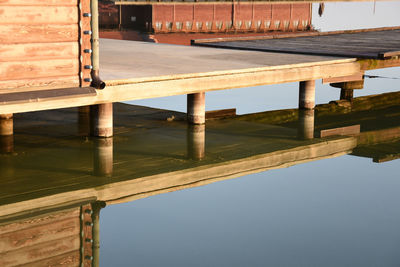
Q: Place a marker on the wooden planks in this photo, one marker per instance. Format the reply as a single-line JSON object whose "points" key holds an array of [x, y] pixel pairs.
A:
{"points": [[39, 234], [367, 44], [39, 2], [38, 69], [22, 34], [38, 51], [45, 240], [32, 15], [40, 251], [34, 84], [39, 44]]}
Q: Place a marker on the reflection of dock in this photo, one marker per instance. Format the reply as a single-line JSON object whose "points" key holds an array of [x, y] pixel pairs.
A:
{"points": [[157, 156], [53, 187]]}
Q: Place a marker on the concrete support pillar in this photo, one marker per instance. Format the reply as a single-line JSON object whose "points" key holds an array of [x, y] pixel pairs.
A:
{"points": [[306, 124], [196, 109], [196, 140], [6, 124], [103, 157], [307, 95], [101, 120], [6, 133], [84, 121]]}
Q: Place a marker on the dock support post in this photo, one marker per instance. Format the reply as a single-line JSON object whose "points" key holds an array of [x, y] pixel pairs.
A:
{"points": [[307, 95], [196, 139], [306, 124], [101, 120], [103, 157], [6, 133], [196, 109], [6, 124]]}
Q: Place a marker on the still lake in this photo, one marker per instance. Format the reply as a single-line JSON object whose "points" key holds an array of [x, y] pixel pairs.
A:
{"points": [[340, 211]]}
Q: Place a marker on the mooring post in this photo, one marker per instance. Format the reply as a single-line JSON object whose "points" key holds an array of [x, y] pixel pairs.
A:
{"points": [[196, 140], [101, 120], [103, 156], [196, 109], [306, 124], [307, 95]]}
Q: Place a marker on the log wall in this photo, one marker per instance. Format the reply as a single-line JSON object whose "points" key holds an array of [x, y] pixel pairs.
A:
{"points": [[47, 240], [40, 44]]}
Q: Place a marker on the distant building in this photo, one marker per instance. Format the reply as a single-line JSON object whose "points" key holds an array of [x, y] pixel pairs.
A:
{"points": [[206, 16]]}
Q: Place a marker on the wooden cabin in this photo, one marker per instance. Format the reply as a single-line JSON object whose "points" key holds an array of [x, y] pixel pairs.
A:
{"points": [[44, 44]]}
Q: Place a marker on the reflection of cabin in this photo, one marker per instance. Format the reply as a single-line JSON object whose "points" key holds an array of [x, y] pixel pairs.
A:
{"points": [[213, 17], [55, 238]]}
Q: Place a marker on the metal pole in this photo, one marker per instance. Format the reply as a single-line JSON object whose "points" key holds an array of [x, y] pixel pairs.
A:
{"points": [[96, 81]]}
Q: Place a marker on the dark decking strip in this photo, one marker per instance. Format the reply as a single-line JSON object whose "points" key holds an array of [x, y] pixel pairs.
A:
{"points": [[43, 95], [373, 44]]}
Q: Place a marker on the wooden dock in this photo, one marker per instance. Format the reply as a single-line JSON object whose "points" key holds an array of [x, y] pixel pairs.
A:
{"points": [[369, 43], [138, 70]]}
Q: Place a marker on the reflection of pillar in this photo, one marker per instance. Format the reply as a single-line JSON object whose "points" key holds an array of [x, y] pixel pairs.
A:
{"points": [[346, 94], [196, 139], [196, 108], [6, 133], [103, 156], [84, 121], [101, 120], [96, 207], [307, 95], [6, 144], [306, 124]]}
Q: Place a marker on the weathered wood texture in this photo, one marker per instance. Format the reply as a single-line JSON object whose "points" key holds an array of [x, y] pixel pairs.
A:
{"points": [[46, 240], [370, 44], [39, 44], [85, 44], [86, 235]]}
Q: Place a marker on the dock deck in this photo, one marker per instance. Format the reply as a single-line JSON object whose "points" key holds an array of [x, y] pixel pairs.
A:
{"points": [[369, 43], [139, 70]]}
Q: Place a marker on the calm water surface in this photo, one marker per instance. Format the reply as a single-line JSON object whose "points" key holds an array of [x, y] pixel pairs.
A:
{"points": [[334, 212], [334, 206]]}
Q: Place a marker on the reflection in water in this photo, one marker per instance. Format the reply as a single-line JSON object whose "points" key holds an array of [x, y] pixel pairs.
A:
{"points": [[6, 133], [50, 204], [103, 156], [84, 121], [306, 124], [196, 141]]}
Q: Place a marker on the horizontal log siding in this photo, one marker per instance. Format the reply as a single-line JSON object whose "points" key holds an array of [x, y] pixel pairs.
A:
{"points": [[39, 45]]}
